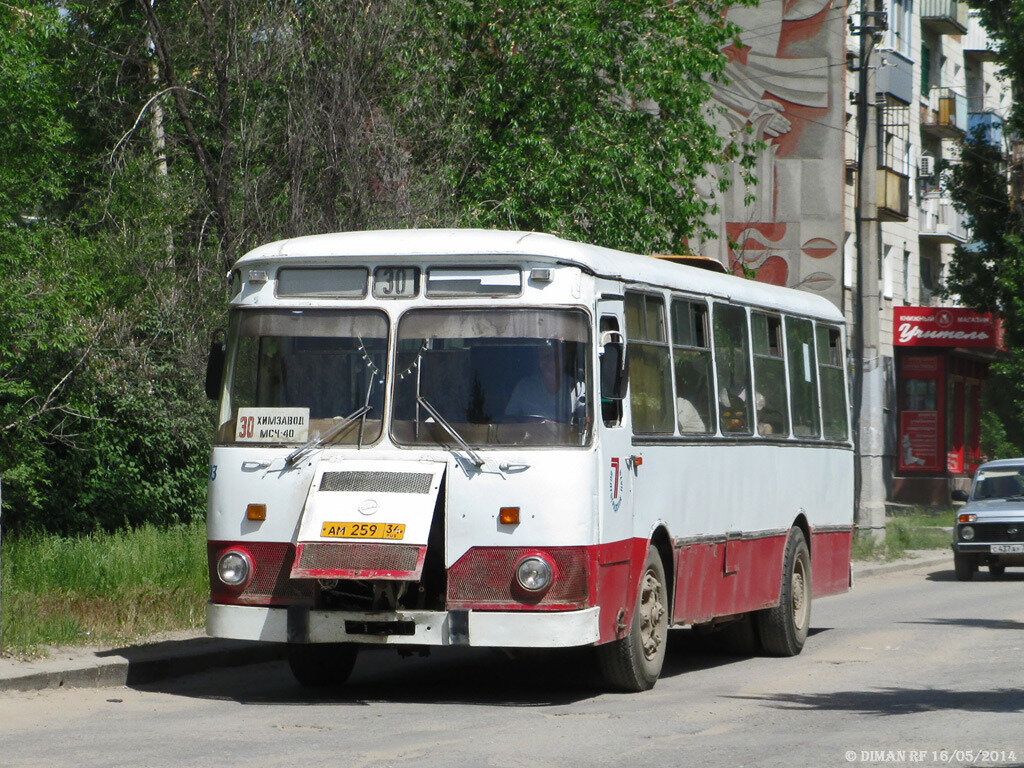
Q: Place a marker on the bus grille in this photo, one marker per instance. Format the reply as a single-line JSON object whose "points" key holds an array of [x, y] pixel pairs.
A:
{"points": [[271, 583], [377, 482], [485, 578], [358, 557]]}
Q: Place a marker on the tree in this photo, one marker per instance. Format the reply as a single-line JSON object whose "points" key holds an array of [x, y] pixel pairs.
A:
{"points": [[588, 120]]}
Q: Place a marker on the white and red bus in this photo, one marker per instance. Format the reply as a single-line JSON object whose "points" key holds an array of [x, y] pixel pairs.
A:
{"points": [[465, 437]]}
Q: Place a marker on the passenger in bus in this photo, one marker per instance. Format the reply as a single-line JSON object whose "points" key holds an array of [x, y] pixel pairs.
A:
{"points": [[692, 396], [547, 391]]}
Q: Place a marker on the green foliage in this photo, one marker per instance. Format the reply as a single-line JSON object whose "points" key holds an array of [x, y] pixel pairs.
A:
{"points": [[101, 587], [588, 120]]}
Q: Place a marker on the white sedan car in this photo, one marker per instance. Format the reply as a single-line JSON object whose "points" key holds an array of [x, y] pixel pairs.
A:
{"points": [[990, 527]]}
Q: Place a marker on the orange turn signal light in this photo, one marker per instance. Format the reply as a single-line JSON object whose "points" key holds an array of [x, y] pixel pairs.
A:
{"points": [[967, 518], [509, 515], [256, 512]]}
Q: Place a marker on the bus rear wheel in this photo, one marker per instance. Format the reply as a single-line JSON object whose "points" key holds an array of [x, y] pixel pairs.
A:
{"points": [[783, 629], [321, 665], [633, 662]]}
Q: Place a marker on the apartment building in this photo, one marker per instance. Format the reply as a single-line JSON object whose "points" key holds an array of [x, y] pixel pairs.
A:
{"points": [[935, 81]]}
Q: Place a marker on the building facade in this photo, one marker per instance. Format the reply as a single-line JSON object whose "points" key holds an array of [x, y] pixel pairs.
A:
{"points": [[791, 86]]}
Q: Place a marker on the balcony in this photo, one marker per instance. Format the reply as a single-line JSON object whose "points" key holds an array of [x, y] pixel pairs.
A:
{"points": [[989, 125], [977, 43], [939, 221], [947, 17], [893, 195], [945, 114], [895, 76]]}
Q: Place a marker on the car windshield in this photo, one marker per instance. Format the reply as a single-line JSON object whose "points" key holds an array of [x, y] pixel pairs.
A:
{"points": [[497, 377], [1001, 483], [294, 374]]}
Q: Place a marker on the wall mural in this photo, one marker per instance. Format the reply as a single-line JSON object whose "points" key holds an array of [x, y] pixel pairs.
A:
{"points": [[786, 83]]}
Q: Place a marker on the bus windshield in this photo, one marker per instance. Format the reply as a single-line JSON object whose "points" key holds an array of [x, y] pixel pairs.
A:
{"points": [[498, 377], [330, 363]]}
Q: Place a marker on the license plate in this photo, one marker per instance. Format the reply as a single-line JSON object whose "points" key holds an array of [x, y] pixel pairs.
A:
{"points": [[393, 531], [1007, 549]]}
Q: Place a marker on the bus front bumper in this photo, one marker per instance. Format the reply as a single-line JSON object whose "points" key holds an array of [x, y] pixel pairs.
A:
{"points": [[508, 629]]}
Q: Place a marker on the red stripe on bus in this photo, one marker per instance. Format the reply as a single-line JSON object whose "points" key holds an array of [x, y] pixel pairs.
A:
{"points": [[830, 562]]}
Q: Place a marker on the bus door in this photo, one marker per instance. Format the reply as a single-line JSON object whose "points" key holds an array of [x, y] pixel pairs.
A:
{"points": [[616, 470]]}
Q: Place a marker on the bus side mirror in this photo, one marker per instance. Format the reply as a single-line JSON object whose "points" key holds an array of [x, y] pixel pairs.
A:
{"points": [[958, 495], [614, 365], [215, 366]]}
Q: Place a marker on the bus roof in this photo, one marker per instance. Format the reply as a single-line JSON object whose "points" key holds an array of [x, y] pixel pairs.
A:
{"points": [[413, 245]]}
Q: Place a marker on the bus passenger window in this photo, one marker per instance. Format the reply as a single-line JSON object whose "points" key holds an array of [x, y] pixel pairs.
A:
{"points": [[769, 375], [833, 386], [732, 363], [803, 378], [691, 358], [650, 377]]}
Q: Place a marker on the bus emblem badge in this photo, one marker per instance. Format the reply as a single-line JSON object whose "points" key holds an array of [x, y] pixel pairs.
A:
{"points": [[368, 507], [615, 484]]}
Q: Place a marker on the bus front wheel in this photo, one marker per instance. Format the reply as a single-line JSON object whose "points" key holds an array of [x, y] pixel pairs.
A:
{"points": [[320, 665], [633, 662], [783, 629]]}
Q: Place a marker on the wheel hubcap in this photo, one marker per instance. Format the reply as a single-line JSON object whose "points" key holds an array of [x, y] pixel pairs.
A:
{"points": [[799, 592], [652, 609]]}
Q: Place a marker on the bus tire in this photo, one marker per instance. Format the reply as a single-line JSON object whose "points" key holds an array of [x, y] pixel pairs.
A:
{"points": [[965, 566], [783, 629], [633, 662], [321, 665]]}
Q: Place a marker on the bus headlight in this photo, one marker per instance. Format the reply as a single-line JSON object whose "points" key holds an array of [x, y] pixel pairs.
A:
{"points": [[967, 533], [234, 567], [534, 574]]}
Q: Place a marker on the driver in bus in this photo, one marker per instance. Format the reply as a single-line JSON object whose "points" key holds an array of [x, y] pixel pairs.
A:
{"points": [[547, 391]]}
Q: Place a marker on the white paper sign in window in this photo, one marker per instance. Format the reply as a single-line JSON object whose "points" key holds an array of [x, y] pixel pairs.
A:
{"points": [[272, 425]]}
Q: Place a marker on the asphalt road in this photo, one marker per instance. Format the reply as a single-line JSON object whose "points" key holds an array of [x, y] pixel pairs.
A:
{"points": [[908, 668]]}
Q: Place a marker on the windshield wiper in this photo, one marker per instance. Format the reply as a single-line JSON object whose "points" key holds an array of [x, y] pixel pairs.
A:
{"points": [[477, 460], [323, 437]]}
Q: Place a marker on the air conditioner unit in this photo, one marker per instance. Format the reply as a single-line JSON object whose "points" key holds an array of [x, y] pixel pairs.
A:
{"points": [[926, 167]]}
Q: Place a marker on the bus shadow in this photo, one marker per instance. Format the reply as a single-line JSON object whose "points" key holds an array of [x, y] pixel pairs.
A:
{"points": [[486, 677]]}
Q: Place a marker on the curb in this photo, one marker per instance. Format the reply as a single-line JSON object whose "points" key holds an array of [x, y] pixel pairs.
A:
{"points": [[880, 569], [136, 665]]}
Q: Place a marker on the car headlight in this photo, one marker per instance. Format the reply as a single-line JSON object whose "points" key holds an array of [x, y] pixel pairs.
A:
{"points": [[533, 574], [234, 568], [967, 533]]}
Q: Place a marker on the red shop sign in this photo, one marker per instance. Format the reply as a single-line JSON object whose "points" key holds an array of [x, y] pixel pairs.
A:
{"points": [[945, 327]]}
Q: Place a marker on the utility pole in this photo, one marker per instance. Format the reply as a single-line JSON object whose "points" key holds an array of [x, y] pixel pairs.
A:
{"points": [[869, 375]]}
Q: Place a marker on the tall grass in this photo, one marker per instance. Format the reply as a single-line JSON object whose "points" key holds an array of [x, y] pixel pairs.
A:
{"points": [[903, 534], [101, 588]]}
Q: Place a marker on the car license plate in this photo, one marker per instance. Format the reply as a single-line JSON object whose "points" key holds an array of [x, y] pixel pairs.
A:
{"points": [[1007, 549], [393, 531]]}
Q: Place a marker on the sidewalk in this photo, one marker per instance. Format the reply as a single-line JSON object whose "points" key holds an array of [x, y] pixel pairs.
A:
{"points": [[183, 653]]}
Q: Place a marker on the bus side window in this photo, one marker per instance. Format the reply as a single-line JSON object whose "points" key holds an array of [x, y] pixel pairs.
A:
{"points": [[650, 373], [611, 407], [732, 361], [803, 377], [833, 388], [769, 375], [691, 357]]}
